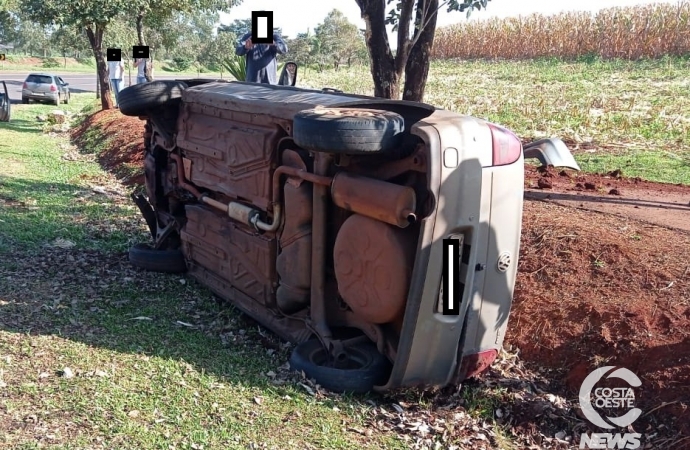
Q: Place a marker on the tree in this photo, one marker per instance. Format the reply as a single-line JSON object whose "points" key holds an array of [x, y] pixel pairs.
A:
{"points": [[32, 37], [154, 13], [217, 50], [339, 39], [9, 27], [415, 23], [300, 49], [238, 27], [68, 40], [241, 26], [94, 16]]}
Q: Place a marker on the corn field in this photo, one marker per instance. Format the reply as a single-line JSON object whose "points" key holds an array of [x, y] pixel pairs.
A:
{"points": [[649, 31]]}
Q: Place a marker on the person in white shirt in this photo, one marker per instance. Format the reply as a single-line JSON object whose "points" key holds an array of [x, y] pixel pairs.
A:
{"points": [[140, 64], [116, 72]]}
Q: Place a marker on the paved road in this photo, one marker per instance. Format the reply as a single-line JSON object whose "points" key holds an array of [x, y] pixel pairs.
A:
{"points": [[78, 82]]}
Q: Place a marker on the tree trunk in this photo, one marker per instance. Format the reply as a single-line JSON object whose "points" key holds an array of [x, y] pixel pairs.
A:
{"points": [[140, 35], [96, 41], [417, 68], [382, 62], [140, 27]]}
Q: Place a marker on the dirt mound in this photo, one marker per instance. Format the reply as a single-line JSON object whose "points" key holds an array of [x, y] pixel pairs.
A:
{"points": [[595, 290], [119, 141]]}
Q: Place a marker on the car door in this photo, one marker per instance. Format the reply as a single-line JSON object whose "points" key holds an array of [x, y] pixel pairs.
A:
{"points": [[63, 87], [4, 104]]}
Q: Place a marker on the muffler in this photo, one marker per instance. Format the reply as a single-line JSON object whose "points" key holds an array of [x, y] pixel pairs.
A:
{"points": [[380, 200]]}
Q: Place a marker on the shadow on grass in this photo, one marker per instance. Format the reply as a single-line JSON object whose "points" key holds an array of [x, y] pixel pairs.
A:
{"points": [[91, 294], [19, 126], [36, 213]]}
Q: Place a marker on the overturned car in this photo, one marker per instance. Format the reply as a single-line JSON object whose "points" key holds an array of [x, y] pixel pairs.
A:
{"points": [[323, 215]]}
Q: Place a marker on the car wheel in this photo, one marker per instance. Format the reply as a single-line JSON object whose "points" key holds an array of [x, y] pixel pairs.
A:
{"points": [[138, 99], [348, 131], [147, 258], [365, 368], [57, 100], [25, 100], [67, 98]]}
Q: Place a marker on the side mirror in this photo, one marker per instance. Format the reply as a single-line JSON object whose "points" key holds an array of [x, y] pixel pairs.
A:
{"points": [[288, 76]]}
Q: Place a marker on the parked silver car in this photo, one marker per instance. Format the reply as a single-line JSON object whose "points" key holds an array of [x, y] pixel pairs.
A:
{"points": [[45, 87]]}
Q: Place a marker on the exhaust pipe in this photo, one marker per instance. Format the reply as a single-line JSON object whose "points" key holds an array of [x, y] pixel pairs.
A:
{"points": [[380, 200]]}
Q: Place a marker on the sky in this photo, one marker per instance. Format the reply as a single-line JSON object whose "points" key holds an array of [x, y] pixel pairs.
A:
{"points": [[296, 16]]}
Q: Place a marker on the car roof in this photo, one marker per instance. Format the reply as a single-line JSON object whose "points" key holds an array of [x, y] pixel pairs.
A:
{"points": [[42, 74]]}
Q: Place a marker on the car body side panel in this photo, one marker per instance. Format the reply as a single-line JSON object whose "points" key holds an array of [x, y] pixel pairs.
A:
{"points": [[283, 102]]}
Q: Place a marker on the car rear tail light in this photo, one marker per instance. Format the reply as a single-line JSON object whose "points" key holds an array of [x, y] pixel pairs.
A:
{"points": [[53, 88], [507, 147], [476, 363], [25, 86]]}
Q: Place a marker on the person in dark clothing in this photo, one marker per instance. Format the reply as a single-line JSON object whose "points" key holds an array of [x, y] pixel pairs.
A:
{"points": [[261, 58]]}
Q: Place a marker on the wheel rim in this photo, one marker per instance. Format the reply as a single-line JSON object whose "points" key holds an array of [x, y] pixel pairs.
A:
{"points": [[356, 359]]}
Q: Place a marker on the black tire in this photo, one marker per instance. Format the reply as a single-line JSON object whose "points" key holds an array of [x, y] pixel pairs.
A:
{"points": [[347, 130], [139, 99], [166, 261], [25, 101], [372, 369], [67, 99]]}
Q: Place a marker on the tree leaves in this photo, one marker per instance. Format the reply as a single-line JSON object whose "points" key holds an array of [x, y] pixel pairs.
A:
{"points": [[393, 17]]}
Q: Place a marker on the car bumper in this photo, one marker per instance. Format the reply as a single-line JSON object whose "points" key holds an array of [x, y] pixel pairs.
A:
{"points": [[436, 349], [52, 96]]}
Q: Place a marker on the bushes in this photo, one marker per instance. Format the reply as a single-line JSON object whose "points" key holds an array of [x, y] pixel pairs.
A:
{"points": [[180, 64], [50, 63]]}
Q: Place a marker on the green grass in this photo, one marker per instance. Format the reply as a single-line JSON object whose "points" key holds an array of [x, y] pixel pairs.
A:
{"points": [[50, 197], [149, 383], [634, 115]]}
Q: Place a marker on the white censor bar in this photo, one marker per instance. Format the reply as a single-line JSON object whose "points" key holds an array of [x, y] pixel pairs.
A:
{"points": [[262, 27], [452, 288]]}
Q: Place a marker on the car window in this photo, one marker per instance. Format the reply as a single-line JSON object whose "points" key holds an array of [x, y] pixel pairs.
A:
{"points": [[61, 80], [42, 79]]}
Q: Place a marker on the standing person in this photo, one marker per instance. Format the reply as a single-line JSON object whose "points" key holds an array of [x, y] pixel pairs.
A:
{"points": [[116, 72], [261, 58], [140, 64]]}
